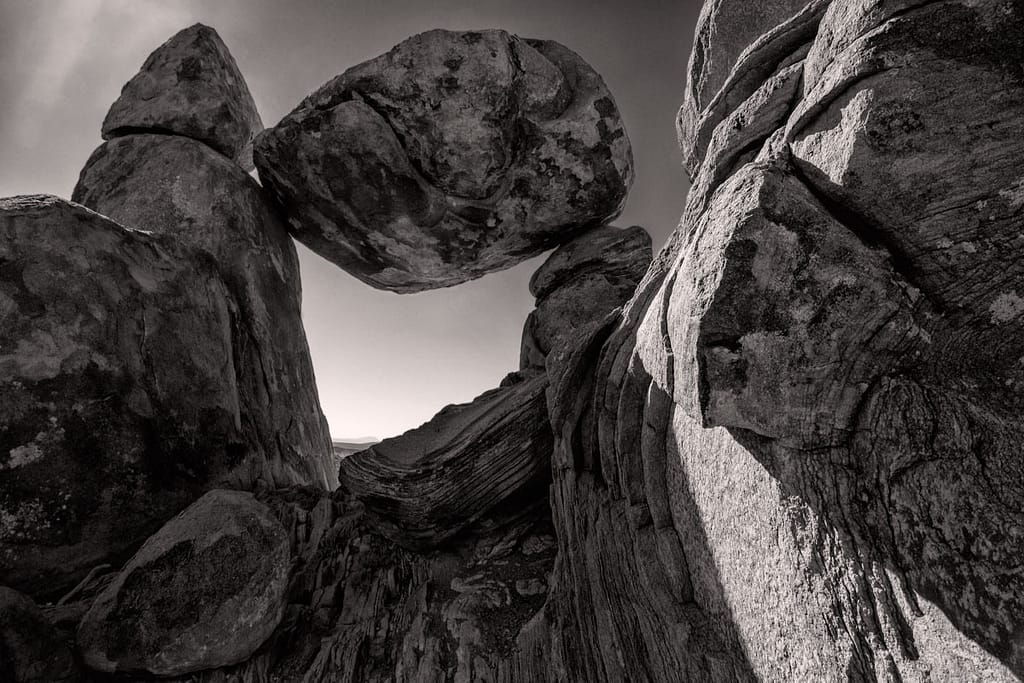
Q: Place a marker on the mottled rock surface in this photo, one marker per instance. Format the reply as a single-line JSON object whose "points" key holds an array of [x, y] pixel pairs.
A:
{"points": [[204, 591], [31, 649], [579, 285], [118, 400], [428, 484], [454, 155], [190, 86], [181, 188]]}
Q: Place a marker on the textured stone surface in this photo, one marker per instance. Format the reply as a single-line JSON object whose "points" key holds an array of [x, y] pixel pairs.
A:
{"points": [[190, 86], [579, 285], [426, 485], [808, 416], [453, 155], [181, 188], [31, 649], [118, 401], [204, 591]]}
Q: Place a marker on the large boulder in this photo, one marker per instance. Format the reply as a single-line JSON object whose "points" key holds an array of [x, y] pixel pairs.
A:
{"points": [[423, 487], [31, 649], [454, 155], [795, 454], [118, 399], [181, 188], [579, 285], [205, 591], [190, 86]]}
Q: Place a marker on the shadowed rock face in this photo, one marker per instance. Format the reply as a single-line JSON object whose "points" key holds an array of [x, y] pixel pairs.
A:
{"points": [[807, 421], [31, 649], [190, 86], [579, 285], [453, 155], [433, 481], [204, 591], [116, 404]]}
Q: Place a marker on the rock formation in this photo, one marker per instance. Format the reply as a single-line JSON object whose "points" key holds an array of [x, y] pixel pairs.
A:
{"points": [[190, 86], [452, 156], [579, 285], [204, 591], [181, 188], [116, 403], [31, 648], [792, 454]]}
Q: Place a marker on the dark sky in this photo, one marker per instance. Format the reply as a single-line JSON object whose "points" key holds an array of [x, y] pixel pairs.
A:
{"points": [[384, 362]]}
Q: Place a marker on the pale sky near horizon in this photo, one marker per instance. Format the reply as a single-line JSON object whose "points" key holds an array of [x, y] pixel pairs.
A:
{"points": [[384, 362]]}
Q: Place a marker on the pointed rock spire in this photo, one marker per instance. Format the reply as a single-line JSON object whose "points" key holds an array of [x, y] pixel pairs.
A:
{"points": [[190, 86]]}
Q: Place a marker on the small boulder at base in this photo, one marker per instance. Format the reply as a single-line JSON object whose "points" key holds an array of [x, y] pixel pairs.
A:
{"points": [[190, 86], [205, 591], [31, 649], [454, 155]]}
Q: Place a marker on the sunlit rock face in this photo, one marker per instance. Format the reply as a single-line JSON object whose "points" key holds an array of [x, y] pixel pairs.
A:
{"points": [[807, 421], [453, 155]]}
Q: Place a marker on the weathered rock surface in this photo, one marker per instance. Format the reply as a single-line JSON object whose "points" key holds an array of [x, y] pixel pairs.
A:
{"points": [[579, 285], [426, 485], [806, 421], [182, 188], [190, 86], [31, 649], [118, 400], [204, 591], [454, 155]]}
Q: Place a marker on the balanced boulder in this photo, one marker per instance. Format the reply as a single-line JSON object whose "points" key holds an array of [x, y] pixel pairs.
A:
{"points": [[204, 591], [190, 86], [454, 155]]}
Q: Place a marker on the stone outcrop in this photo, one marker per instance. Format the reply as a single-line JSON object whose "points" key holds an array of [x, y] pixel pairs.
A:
{"points": [[190, 86], [118, 400], [805, 421], [31, 648], [454, 155], [204, 591], [579, 285], [428, 484], [793, 454], [181, 188]]}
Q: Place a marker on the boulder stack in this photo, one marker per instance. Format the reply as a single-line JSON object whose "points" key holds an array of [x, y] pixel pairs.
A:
{"points": [[453, 155]]}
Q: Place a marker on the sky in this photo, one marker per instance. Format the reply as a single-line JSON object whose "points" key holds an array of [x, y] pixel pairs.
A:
{"points": [[384, 362]]}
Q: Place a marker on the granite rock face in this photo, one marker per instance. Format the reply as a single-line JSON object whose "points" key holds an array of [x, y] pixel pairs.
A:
{"points": [[118, 401], [454, 155], [805, 423], [204, 591], [190, 86], [579, 285], [31, 649], [181, 188]]}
